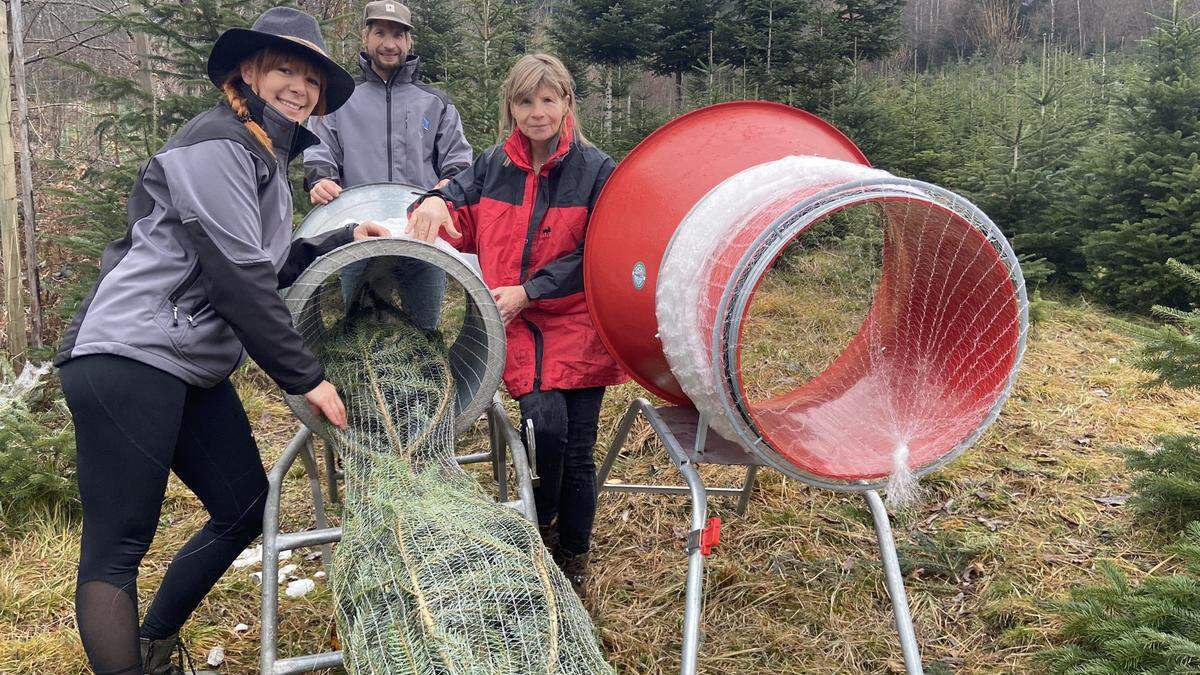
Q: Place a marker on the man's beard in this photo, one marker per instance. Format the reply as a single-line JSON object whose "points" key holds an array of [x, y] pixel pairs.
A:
{"points": [[381, 65]]}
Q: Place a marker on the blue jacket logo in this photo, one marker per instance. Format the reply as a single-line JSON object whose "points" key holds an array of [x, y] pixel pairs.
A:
{"points": [[425, 123]]}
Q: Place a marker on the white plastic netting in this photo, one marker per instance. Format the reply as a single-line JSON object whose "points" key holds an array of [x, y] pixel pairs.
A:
{"points": [[848, 326], [431, 575]]}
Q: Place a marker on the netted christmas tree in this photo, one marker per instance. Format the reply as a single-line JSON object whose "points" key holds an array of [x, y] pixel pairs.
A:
{"points": [[431, 575]]}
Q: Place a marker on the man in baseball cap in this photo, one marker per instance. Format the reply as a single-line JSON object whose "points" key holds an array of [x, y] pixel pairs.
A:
{"points": [[387, 34], [394, 129]]}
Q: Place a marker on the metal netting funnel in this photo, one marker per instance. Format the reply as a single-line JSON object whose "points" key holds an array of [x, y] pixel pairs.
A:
{"points": [[477, 350]]}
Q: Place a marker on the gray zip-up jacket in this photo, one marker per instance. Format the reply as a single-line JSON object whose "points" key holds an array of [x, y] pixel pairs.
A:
{"points": [[209, 243], [398, 131]]}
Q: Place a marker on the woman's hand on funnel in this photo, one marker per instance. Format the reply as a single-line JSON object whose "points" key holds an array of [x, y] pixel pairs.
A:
{"points": [[370, 228], [324, 401], [429, 218], [511, 300]]}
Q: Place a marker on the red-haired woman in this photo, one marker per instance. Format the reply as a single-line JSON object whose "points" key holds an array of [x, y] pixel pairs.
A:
{"points": [[181, 298]]}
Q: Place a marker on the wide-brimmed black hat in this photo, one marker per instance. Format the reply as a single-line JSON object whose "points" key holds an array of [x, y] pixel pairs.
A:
{"points": [[285, 29]]}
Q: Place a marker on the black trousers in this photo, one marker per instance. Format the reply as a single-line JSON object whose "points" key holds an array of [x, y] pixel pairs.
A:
{"points": [[134, 424], [564, 425]]}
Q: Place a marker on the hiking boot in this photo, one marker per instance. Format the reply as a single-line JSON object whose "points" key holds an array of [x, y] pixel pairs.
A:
{"points": [[575, 567], [156, 658]]}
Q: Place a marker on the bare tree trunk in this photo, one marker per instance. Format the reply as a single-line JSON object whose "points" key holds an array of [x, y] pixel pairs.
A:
{"points": [[770, 36], [711, 68], [10, 240], [608, 100], [31, 256], [141, 45], [1079, 13], [1051, 20]]}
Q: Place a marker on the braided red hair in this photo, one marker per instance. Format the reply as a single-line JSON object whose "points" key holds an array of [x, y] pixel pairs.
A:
{"points": [[238, 103]]}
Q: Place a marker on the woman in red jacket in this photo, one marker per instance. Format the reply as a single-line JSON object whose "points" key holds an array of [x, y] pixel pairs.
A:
{"points": [[523, 208]]}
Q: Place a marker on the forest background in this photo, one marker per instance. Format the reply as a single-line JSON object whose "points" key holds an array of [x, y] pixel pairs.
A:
{"points": [[1073, 123], [1070, 123]]}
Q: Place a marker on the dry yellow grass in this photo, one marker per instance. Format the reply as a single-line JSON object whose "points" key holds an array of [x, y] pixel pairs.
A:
{"points": [[795, 586]]}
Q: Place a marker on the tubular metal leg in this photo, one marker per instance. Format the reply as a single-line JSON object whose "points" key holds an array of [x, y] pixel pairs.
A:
{"points": [[269, 635], [331, 473], [501, 436], [694, 595], [499, 450], [523, 475], [747, 490], [307, 456], [531, 448], [694, 590], [618, 444], [895, 584]]}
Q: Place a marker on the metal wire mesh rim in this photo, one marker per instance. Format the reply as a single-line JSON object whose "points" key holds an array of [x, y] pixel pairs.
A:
{"points": [[761, 255], [478, 299]]}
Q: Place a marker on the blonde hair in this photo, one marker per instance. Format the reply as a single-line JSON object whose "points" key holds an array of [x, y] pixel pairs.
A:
{"points": [[530, 73], [264, 61]]}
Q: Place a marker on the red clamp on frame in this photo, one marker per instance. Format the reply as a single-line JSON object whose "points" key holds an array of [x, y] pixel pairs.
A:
{"points": [[705, 539]]}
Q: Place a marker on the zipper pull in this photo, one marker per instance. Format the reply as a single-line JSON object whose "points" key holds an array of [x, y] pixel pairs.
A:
{"points": [[191, 320], [174, 315]]}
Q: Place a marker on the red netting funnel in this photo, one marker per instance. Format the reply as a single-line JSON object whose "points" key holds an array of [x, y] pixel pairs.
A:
{"points": [[902, 325]]}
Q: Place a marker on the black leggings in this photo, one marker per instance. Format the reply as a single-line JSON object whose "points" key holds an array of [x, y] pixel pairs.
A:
{"points": [[564, 426], [133, 425]]}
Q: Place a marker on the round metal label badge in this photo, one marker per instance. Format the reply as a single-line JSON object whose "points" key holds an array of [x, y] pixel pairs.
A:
{"points": [[639, 276]]}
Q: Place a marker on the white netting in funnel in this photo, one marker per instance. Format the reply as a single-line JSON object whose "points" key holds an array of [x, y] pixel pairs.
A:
{"points": [[912, 320]]}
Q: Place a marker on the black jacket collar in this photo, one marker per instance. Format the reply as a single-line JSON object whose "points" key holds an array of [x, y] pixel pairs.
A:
{"points": [[289, 138]]}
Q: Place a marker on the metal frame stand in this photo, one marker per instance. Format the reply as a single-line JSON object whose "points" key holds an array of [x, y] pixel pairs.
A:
{"points": [[684, 433], [505, 444]]}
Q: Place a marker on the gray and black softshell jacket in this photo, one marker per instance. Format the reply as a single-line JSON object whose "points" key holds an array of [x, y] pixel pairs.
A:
{"points": [[209, 243], [398, 131]]}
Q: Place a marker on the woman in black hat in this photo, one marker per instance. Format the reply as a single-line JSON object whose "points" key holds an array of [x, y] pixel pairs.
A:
{"points": [[180, 299]]}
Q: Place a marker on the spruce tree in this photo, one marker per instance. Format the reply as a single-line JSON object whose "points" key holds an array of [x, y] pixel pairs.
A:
{"points": [[681, 39], [437, 36], [605, 33], [1171, 352], [37, 448], [494, 34], [1117, 628], [871, 29], [1167, 482], [1021, 177], [767, 37], [1143, 192]]}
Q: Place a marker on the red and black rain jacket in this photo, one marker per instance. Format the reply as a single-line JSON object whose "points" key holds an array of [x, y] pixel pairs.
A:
{"points": [[528, 230]]}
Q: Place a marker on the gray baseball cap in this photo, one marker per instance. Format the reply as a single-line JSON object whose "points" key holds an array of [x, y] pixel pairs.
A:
{"points": [[387, 10]]}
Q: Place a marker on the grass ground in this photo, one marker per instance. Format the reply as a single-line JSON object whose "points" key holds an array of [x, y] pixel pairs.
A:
{"points": [[795, 586]]}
